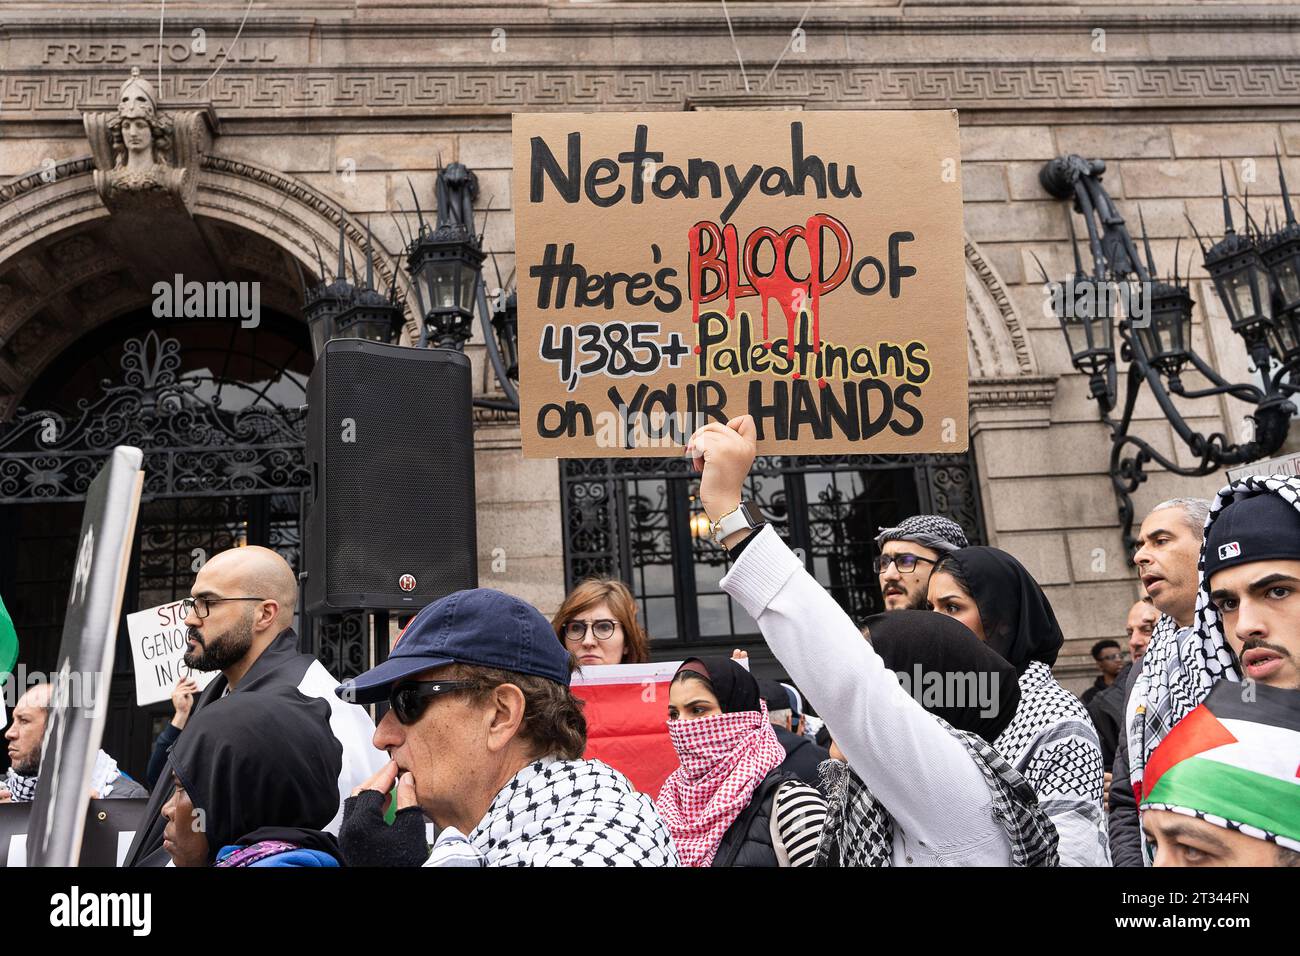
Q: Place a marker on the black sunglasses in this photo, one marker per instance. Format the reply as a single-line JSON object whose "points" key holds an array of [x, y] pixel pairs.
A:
{"points": [[409, 699]]}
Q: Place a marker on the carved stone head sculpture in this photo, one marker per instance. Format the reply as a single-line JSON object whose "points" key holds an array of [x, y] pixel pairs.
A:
{"points": [[145, 157], [141, 136]]}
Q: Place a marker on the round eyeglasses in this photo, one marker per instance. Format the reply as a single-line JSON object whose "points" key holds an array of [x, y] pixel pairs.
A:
{"points": [[576, 631]]}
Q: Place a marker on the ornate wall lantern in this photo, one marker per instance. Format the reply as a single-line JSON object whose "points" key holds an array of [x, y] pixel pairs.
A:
{"points": [[341, 310], [1256, 277], [446, 268]]}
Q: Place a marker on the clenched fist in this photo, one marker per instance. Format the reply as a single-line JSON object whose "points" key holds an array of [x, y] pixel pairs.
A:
{"points": [[723, 454]]}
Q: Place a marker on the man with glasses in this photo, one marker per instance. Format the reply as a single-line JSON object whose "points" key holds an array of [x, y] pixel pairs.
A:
{"points": [[239, 621], [486, 740], [1110, 661], [908, 554]]}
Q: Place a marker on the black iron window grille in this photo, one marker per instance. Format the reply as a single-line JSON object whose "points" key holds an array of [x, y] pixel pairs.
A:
{"points": [[638, 519]]}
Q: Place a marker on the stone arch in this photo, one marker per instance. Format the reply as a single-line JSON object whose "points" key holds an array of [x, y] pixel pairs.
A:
{"points": [[996, 342], [1006, 386], [61, 274]]}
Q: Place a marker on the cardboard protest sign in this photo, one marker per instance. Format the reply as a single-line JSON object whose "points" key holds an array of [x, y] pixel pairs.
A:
{"points": [[79, 699], [626, 706], [157, 647], [679, 268]]}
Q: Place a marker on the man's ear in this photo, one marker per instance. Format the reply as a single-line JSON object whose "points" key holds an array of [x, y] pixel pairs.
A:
{"points": [[505, 716], [267, 613]]}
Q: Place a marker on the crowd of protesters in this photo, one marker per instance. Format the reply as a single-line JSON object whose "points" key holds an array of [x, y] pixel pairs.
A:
{"points": [[940, 735]]}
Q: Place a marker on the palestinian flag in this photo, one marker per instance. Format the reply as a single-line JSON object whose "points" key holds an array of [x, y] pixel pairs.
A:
{"points": [[8, 643], [1234, 761]]}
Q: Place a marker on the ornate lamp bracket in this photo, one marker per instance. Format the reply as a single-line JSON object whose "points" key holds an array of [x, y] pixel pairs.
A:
{"points": [[1154, 333]]}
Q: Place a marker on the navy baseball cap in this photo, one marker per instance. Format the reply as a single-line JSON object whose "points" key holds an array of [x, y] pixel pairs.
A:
{"points": [[482, 626], [1260, 528]]}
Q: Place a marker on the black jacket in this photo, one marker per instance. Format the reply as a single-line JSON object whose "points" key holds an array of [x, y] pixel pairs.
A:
{"points": [[158, 759], [748, 841], [1124, 829], [1098, 686], [802, 755], [278, 668], [1107, 712]]}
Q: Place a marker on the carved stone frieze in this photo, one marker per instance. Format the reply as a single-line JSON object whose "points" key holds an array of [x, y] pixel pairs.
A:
{"points": [[490, 88]]}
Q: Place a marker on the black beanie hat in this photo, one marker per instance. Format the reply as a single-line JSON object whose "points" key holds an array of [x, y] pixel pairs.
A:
{"points": [[1260, 528]]}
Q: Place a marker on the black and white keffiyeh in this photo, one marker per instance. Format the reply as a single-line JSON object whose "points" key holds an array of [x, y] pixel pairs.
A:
{"points": [[569, 813], [860, 832], [930, 531], [22, 788], [1181, 666], [1053, 744]]}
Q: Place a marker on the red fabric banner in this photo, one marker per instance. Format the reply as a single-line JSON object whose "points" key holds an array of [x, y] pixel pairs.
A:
{"points": [[627, 720]]}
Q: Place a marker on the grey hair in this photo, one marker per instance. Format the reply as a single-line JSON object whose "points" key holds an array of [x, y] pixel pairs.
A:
{"points": [[1196, 510], [780, 716]]}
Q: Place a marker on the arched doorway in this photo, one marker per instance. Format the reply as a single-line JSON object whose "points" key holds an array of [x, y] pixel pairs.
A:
{"points": [[216, 404]]}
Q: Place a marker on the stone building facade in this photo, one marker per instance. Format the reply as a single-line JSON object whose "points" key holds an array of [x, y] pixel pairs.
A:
{"points": [[312, 114]]}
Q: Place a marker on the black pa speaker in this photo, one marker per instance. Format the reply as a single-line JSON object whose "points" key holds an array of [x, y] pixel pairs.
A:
{"points": [[390, 446]]}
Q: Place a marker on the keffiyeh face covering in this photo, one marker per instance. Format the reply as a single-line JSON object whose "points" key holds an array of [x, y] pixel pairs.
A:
{"points": [[723, 760]]}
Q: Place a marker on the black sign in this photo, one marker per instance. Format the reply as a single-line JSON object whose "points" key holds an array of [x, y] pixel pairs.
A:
{"points": [[109, 827], [79, 698]]}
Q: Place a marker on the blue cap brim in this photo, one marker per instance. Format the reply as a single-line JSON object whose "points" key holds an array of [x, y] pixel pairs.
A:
{"points": [[375, 684]]}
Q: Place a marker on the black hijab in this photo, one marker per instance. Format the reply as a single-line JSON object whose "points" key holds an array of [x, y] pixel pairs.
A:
{"points": [[735, 688], [1018, 619], [933, 643], [263, 764]]}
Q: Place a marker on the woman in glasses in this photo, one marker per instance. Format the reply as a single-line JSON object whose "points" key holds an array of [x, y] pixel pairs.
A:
{"points": [[729, 803], [1051, 739], [598, 623]]}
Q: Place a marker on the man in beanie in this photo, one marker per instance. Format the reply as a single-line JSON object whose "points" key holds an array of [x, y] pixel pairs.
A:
{"points": [[486, 740], [1247, 618], [908, 554]]}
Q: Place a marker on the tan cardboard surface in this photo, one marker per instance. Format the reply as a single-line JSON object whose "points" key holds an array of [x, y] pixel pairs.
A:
{"points": [[666, 260]]}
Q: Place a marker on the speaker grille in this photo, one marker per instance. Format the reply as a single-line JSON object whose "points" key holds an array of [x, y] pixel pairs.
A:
{"points": [[397, 475]]}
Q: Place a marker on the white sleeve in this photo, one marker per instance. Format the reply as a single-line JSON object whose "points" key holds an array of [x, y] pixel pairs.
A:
{"points": [[355, 732], [918, 770]]}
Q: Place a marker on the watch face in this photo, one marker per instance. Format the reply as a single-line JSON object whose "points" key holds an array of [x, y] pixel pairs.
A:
{"points": [[752, 514]]}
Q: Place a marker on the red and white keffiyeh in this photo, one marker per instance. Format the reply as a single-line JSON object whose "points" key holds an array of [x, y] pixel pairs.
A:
{"points": [[723, 760]]}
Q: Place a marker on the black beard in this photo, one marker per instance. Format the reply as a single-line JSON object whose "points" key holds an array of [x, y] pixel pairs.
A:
{"points": [[30, 769], [220, 651]]}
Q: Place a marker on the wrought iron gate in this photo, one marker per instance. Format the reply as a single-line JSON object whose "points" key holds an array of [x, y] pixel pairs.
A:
{"points": [[215, 477]]}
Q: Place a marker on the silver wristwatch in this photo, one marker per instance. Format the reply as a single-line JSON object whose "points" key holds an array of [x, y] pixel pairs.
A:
{"points": [[745, 517]]}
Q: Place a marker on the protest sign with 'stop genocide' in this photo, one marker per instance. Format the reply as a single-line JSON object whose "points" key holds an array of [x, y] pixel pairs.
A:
{"points": [[158, 645], [680, 268]]}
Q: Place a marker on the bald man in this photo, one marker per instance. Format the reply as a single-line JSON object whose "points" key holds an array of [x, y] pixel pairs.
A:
{"points": [[239, 618], [26, 737]]}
